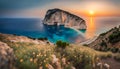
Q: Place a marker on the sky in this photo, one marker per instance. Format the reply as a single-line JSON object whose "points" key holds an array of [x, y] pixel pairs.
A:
{"points": [[38, 8]]}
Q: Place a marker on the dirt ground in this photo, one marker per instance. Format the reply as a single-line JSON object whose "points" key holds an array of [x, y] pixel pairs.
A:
{"points": [[113, 63]]}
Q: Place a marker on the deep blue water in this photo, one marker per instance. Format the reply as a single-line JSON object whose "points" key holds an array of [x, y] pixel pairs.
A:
{"points": [[33, 27]]}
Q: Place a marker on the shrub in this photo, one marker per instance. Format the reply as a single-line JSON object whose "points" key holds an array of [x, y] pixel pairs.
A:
{"points": [[114, 50], [114, 37], [109, 55], [117, 57], [85, 44], [103, 43], [103, 34], [42, 38], [62, 44], [59, 43], [104, 56], [38, 38]]}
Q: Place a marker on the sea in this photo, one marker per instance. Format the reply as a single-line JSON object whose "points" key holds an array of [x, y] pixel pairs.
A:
{"points": [[34, 28]]}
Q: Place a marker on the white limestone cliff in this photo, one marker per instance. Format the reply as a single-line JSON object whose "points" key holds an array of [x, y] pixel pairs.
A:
{"points": [[61, 17]]}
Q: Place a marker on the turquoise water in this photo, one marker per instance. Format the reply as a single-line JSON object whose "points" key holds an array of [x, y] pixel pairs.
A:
{"points": [[33, 27], [36, 29]]}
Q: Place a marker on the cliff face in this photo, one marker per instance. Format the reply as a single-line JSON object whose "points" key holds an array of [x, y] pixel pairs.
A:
{"points": [[60, 17]]}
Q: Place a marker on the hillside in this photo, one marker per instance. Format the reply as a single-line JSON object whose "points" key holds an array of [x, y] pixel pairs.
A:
{"points": [[26, 53], [108, 41]]}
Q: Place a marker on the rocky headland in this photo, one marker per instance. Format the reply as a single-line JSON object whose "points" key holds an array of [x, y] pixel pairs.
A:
{"points": [[61, 17]]}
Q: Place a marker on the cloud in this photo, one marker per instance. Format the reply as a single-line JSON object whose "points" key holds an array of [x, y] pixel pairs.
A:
{"points": [[38, 8], [21, 4]]}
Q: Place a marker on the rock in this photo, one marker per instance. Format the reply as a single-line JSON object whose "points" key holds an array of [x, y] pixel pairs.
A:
{"points": [[100, 65], [56, 62], [54, 59], [50, 66], [58, 65], [7, 57], [40, 67], [64, 61], [61, 17], [107, 66], [73, 67]]}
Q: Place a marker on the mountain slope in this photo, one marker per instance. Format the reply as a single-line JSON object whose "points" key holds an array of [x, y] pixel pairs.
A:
{"points": [[109, 40]]}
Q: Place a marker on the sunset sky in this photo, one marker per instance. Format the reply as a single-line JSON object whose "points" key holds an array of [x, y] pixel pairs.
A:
{"points": [[38, 8]]}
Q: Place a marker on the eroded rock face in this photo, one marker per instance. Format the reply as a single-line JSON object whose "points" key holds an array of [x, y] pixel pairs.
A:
{"points": [[60, 17], [7, 57]]}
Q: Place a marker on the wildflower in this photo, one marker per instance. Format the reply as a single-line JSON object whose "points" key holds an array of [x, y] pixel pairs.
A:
{"points": [[45, 55], [37, 55], [35, 60], [44, 61], [46, 65], [54, 59], [21, 60], [68, 62], [49, 66], [64, 61], [33, 53], [47, 58], [41, 67], [75, 56], [31, 59]]}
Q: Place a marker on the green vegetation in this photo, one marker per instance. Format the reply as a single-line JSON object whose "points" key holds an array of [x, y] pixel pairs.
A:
{"points": [[31, 56], [103, 34], [114, 37], [42, 38], [85, 44], [115, 50], [117, 57], [34, 56], [62, 44], [78, 58], [38, 38], [103, 43], [108, 40]]}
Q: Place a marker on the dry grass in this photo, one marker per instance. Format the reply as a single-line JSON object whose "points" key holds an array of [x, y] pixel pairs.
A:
{"points": [[32, 56]]}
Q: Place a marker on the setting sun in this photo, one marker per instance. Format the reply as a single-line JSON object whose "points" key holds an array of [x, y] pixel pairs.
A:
{"points": [[91, 12]]}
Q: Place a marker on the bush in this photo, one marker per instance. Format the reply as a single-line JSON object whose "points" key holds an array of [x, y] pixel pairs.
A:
{"points": [[117, 57], [103, 34], [109, 55], [114, 37], [42, 38], [85, 44], [62, 44], [114, 50], [38, 38], [78, 58], [103, 43]]}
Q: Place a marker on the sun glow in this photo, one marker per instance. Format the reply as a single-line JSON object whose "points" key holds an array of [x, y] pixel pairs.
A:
{"points": [[91, 12]]}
